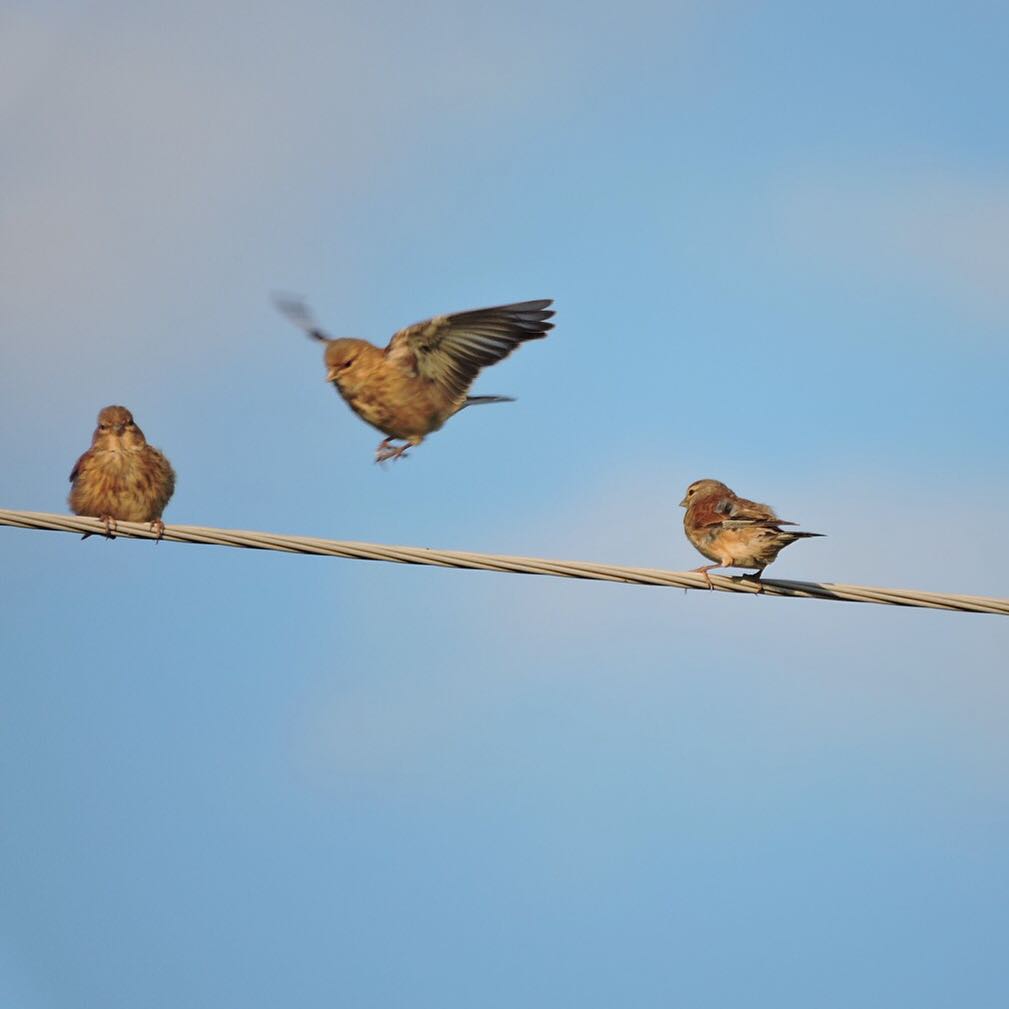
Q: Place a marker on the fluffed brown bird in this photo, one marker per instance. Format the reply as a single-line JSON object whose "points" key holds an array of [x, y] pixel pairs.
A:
{"points": [[733, 531], [121, 476], [409, 389]]}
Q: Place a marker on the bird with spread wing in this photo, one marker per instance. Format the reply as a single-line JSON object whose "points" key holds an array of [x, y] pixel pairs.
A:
{"points": [[410, 388]]}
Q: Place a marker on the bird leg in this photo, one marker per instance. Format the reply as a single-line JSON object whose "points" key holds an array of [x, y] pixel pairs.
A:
{"points": [[157, 526], [110, 526], [704, 569], [386, 450]]}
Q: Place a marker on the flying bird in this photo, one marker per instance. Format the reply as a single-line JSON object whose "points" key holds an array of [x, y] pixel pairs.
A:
{"points": [[121, 476], [410, 388], [733, 531]]}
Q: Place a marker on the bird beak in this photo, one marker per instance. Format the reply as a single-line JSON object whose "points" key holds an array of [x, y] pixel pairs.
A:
{"points": [[331, 375], [683, 503]]}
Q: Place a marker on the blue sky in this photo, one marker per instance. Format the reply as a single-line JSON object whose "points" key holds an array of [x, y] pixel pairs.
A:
{"points": [[776, 238]]}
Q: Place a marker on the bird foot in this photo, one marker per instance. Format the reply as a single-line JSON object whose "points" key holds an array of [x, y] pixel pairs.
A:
{"points": [[703, 570], [754, 577], [157, 526], [386, 451], [110, 526]]}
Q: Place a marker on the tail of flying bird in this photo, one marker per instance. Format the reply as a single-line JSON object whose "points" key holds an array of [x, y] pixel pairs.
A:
{"points": [[477, 400]]}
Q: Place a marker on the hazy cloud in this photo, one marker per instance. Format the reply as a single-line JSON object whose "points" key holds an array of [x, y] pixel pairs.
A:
{"points": [[148, 158], [822, 667]]}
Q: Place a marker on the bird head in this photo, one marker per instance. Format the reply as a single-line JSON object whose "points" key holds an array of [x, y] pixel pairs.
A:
{"points": [[117, 429], [702, 489], [341, 356]]}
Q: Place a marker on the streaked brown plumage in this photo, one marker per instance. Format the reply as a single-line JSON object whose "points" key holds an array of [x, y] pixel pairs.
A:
{"points": [[121, 476], [733, 531], [409, 389]]}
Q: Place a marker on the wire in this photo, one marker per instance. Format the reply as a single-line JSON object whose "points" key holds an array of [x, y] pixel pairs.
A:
{"points": [[509, 565]]}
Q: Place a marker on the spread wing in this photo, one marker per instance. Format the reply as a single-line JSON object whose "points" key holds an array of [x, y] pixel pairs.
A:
{"points": [[297, 311], [451, 349], [735, 512]]}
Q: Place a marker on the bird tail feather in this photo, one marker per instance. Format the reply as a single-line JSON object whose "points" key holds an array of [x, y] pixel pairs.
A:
{"points": [[478, 400]]}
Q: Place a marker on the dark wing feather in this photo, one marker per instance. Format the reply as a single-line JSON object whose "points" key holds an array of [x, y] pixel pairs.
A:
{"points": [[451, 349], [736, 512], [741, 509], [298, 312], [75, 472]]}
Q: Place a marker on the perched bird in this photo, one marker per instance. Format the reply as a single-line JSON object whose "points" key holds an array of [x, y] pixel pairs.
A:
{"points": [[422, 378], [732, 531], [121, 476]]}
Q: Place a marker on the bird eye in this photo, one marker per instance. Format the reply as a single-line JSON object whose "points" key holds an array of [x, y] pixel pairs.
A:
{"points": [[347, 364], [103, 427]]}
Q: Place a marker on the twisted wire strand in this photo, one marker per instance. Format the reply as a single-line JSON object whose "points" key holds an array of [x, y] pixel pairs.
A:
{"points": [[509, 564]]}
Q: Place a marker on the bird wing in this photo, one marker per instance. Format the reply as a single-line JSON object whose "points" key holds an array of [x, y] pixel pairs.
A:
{"points": [[451, 349], [298, 312], [735, 512], [75, 472]]}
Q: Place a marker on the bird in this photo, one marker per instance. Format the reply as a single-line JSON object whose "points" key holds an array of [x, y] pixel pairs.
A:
{"points": [[121, 476], [733, 531], [411, 387]]}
